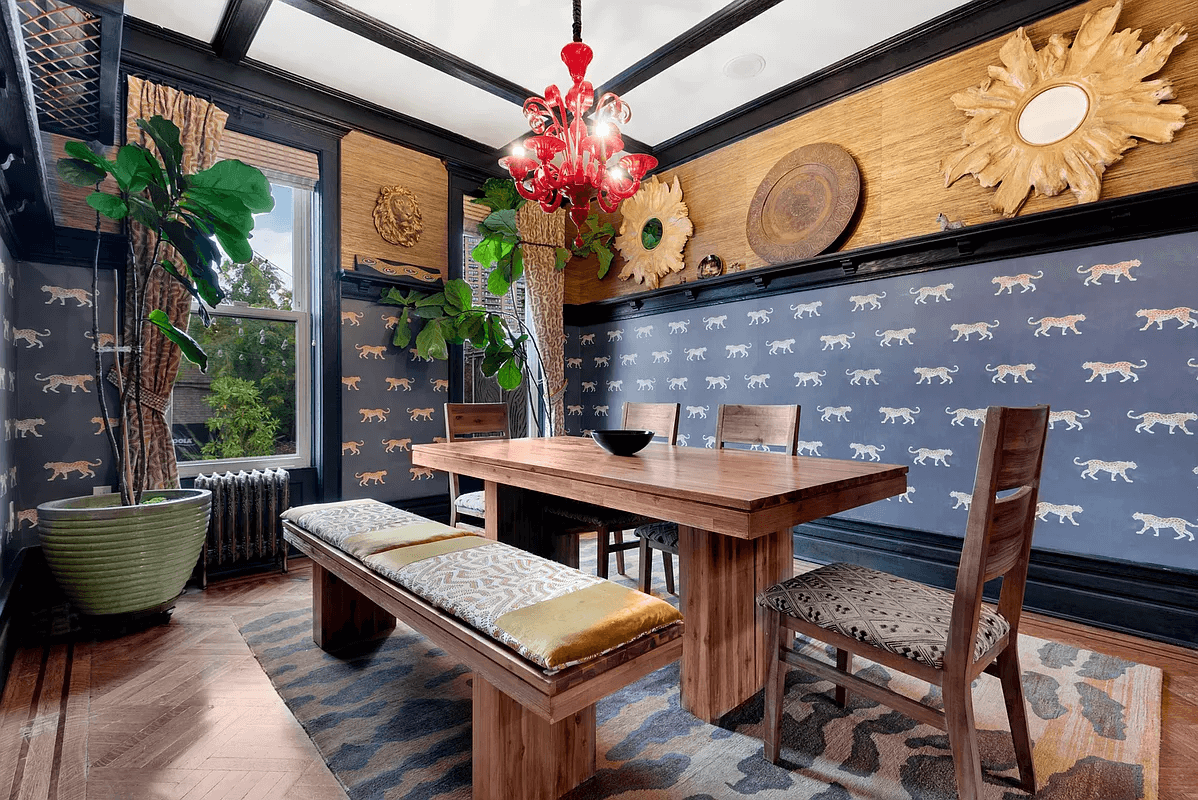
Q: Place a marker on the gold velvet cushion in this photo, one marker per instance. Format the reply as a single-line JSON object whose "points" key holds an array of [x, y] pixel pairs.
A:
{"points": [[553, 615], [905, 617]]}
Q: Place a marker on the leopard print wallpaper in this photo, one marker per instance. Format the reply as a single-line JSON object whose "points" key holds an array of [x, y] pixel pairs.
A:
{"points": [[390, 400], [57, 444], [901, 370]]}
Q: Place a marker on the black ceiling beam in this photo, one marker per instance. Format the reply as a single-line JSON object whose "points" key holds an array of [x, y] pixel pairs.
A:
{"points": [[354, 21], [153, 51], [949, 33], [727, 19], [238, 27]]}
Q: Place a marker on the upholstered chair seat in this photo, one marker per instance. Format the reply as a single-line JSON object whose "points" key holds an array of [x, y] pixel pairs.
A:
{"points": [[473, 504]]}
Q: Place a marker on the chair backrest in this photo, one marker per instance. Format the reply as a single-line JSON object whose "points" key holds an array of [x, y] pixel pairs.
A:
{"points": [[661, 418], [474, 421], [774, 426], [998, 535]]}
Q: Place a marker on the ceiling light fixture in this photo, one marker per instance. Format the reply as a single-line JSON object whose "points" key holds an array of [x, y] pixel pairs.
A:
{"points": [[744, 66], [566, 162]]}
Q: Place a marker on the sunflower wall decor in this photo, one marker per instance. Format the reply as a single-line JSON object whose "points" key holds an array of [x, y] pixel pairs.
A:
{"points": [[1058, 117], [654, 231], [397, 216]]}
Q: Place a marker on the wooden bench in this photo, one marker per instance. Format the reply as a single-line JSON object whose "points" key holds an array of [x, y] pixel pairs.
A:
{"points": [[533, 729]]}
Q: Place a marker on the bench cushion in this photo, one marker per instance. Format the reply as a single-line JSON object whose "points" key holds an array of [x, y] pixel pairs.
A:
{"points": [[551, 614], [472, 503], [334, 522]]}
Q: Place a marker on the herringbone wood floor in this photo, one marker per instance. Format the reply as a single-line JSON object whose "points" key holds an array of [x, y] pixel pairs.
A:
{"points": [[184, 712]]}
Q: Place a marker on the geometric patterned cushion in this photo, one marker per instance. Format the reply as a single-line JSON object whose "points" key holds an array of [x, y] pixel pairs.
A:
{"points": [[472, 503], [333, 522], [663, 533], [549, 613], [908, 618]]}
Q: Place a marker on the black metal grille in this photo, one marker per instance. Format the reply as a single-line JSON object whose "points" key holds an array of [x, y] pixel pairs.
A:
{"points": [[62, 45]]}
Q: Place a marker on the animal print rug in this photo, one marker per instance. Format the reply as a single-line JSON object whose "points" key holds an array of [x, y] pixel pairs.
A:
{"points": [[393, 722]]}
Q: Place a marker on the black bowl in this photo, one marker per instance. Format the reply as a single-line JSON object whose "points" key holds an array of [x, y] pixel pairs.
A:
{"points": [[620, 442]]}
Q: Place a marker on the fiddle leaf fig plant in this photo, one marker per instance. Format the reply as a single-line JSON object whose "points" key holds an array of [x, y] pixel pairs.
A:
{"points": [[185, 211]]}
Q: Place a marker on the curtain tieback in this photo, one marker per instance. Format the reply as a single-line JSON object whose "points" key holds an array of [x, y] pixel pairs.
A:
{"points": [[149, 398]]}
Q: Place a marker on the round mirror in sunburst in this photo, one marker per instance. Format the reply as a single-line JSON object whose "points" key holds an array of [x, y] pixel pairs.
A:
{"points": [[655, 228], [1057, 117]]}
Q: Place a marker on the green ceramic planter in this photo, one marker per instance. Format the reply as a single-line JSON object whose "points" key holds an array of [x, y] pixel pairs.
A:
{"points": [[114, 559]]}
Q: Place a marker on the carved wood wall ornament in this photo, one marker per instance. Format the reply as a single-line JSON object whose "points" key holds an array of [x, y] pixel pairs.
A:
{"points": [[804, 203], [397, 216], [654, 231], [1058, 117]]}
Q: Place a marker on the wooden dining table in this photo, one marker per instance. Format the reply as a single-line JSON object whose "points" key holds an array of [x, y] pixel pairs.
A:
{"points": [[734, 508]]}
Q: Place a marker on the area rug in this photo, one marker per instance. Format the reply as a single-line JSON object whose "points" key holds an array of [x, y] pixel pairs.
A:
{"points": [[393, 722]]}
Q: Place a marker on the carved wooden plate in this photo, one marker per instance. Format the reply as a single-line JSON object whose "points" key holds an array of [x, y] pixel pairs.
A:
{"points": [[804, 203]]}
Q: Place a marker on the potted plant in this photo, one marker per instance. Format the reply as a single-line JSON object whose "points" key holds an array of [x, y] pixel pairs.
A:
{"points": [[133, 550]]}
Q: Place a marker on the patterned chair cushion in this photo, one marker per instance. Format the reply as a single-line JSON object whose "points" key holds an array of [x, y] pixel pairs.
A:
{"points": [[472, 503], [905, 617], [663, 533], [334, 522], [585, 516]]}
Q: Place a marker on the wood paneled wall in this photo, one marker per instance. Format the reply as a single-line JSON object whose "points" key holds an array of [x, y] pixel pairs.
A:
{"points": [[898, 131], [367, 165]]}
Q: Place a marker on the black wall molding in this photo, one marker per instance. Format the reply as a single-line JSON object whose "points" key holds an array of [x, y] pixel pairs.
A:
{"points": [[75, 247], [949, 33], [1149, 601], [1157, 213]]}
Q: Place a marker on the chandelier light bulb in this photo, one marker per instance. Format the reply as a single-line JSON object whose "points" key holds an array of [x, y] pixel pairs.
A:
{"points": [[518, 151]]}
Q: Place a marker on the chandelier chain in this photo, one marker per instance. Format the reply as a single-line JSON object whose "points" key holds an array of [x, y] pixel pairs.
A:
{"points": [[578, 20]]}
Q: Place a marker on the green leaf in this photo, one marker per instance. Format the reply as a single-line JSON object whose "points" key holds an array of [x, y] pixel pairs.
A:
{"points": [[78, 172], [191, 349], [605, 258], [472, 327], [165, 135], [434, 299], [200, 255], [142, 211], [403, 331], [235, 179], [492, 362], [109, 205], [503, 222], [486, 252], [430, 312], [497, 284], [517, 264], [227, 208], [79, 150], [457, 291], [509, 375], [430, 342], [186, 283], [499, 193], [136, 168], [563, 257]]}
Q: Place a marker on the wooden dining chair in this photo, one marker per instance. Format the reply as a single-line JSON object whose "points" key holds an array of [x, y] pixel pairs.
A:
{"points": [[570, 517], [759, 427], [472, 421], [946, 639]]}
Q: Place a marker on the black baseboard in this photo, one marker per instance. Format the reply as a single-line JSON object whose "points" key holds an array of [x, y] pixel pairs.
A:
{"points": [[1149, 601], [434, 506], [8, 604]]}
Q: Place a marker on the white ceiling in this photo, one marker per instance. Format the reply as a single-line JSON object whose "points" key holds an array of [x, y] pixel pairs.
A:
{"points": [[520, 40]]}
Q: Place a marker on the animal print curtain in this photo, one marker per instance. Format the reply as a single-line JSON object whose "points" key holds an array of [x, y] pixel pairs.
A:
{"points": [[546, 286], [201, 125]]}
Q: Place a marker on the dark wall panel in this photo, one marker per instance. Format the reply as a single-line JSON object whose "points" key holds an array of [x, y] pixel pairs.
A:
{"points": [[390, 400], [1111, 478]]}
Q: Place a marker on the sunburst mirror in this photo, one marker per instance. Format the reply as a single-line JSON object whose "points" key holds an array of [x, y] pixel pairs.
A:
{"points": [[1057, 117], [655, 228]]}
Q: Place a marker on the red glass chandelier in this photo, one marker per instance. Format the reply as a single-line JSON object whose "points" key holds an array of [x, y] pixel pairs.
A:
{"points": [[569, 161]]}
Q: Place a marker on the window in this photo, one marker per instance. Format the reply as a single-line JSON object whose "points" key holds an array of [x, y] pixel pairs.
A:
{"points": [[252, 408]]}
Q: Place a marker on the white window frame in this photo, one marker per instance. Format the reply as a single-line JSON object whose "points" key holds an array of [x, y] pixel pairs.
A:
{"points": [[305, 236]]}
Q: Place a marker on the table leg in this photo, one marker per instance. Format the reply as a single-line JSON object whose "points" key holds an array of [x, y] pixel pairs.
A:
{"points": [[515, 516], [723, 650]]}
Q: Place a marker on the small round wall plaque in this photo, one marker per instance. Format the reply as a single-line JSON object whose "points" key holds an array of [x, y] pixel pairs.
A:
{"points": [[804, 203]]}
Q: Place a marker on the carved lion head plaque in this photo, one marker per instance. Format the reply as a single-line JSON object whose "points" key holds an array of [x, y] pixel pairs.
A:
{"points": [[397, 216]]}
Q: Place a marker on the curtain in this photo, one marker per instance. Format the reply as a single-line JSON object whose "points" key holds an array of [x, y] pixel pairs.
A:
{"points": [[201, 125], [546, 286]]}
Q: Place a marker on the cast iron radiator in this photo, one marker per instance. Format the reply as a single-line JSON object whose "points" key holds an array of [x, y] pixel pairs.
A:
{"points": [[245, 523]]}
